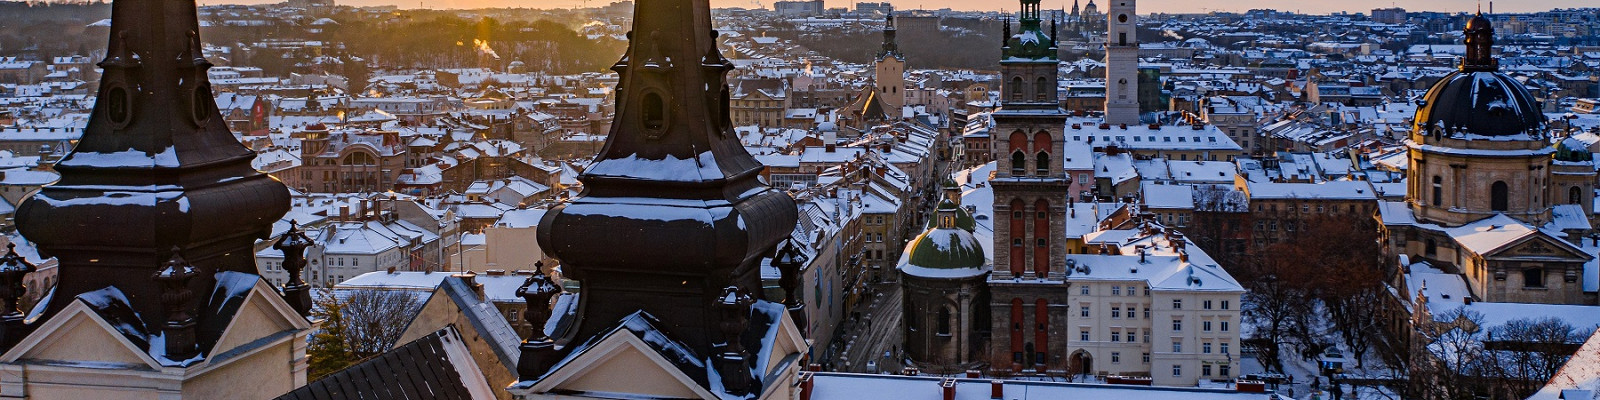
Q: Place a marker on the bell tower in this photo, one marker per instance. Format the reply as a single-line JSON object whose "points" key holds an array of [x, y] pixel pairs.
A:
{"points": [[1122, 63], [1030, 188], [890, 71]]}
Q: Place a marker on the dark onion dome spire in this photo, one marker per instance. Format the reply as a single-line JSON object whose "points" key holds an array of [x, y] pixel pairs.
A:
{"points": [[156, 170], [1031, 42], [890, 47], [671, 211], [1478, 99]]}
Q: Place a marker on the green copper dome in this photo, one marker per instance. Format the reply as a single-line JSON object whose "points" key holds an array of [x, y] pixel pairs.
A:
{"points": [[946, 249]]}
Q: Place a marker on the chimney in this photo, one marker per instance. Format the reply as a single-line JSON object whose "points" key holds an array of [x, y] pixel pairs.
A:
{"points": [[471, 279], [806, 382], [948, 387], [828, 147], [972, 373], [496, 272], [997, 389], [344, 212], [391, 270]]}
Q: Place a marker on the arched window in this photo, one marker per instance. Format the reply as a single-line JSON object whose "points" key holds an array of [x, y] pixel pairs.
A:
{"points": [[1439, 191], [944, 321], [1042, 144], [1041, 89], [1019, 145], [654, 112], [1016, 89], [1574, 196], [1017, 231], [1498, 198]]}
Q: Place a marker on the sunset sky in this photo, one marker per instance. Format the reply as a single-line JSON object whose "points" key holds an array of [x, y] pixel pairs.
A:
{"points": [[1145, 6]]}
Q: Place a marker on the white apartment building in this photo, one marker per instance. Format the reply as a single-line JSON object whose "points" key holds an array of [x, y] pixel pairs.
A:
{"points": [[1171, 313]]}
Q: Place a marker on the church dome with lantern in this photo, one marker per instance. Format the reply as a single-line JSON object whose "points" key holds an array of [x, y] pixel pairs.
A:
{"points": [[1479, 99], [1480, 146]]}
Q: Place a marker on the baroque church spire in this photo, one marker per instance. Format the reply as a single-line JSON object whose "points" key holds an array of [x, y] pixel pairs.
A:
{"points": [[672, 213], [890, 47], [156, 171]]}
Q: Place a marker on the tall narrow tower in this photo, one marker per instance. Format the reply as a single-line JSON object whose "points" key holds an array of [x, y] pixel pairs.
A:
{"points": [[1122, 63], [1029, 196], [890, 72]]}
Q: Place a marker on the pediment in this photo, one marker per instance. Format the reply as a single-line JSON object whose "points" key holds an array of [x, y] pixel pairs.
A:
{"points": [[78, 336], [262, 314], [1540, 245], [622, 363]]}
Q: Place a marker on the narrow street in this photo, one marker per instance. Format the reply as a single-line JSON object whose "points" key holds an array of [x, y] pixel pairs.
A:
{"points": [[877, 332]]}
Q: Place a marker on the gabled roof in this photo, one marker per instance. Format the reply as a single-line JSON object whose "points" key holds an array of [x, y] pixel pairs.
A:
{"points": [[1491, 236], [770, 338], [437, 366], [218, 334]]}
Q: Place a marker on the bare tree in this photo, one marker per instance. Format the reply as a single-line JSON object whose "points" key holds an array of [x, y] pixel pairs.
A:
{"points": [[1523, 354], [375, 318], [1449, 357]]}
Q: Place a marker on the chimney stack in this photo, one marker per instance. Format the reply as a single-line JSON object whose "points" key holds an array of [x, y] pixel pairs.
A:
{"points": [[997, 389], [948, 388], [807, 380]]}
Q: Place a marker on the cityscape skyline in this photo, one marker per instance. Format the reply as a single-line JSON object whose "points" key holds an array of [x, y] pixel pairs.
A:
{"points": [[1146, 7]]}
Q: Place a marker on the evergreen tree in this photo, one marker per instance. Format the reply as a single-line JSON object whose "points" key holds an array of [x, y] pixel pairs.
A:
{"points": [[356, 73], [328, 352]]}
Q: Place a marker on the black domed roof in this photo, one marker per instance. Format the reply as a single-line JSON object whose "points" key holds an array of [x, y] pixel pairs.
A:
{"points": [[1479, 99], [1481, 103]]}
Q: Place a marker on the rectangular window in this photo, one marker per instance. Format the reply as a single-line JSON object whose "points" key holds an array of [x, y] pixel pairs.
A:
{"points": [[1224, 347], [1224, 325], [1147, 313], [1147, 336], [1145, 358], [1177, 347], [1206, 304], [1205, 347], [1084, 290], [1224, 304], [1116, 290], [1205, 370], [1083, 335], [1084, 311], [1177, 325], [1116, 357], [1177, 304], [1116, 312], [1130, 336], [1205, 326], [1115, 337], [1224, 370], [1177, 370]]}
